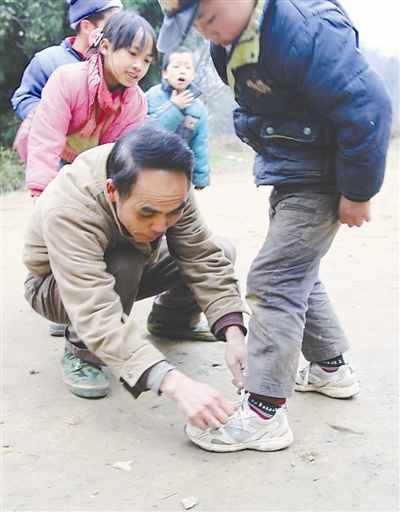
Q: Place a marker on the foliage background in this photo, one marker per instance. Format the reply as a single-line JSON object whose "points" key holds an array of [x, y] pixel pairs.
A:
{"points": [[27, 26]]}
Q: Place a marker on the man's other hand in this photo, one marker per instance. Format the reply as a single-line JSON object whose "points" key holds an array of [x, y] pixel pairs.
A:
{"points": [[236, 354], [203, 406]]}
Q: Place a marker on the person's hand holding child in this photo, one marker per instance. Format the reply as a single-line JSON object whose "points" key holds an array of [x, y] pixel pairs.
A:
{"points": [[182, 99]]}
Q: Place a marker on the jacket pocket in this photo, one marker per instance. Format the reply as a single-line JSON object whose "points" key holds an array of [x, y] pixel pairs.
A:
{"points": [[296, 146], [248, 128]]}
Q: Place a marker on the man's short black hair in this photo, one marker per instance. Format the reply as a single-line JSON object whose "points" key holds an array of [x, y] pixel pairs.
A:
{"points": [[147, 147], [167, 56]]}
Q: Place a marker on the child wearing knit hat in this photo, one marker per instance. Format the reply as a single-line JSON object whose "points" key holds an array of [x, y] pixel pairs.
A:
{"points": [[85, 16]]}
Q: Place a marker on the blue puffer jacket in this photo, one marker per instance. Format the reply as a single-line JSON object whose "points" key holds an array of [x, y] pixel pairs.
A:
{"points": [[190, 124], [311, 107], [38, 71]]}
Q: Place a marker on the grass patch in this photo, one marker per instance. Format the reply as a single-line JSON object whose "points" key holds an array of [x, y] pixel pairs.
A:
{"points": [[12, 174]]}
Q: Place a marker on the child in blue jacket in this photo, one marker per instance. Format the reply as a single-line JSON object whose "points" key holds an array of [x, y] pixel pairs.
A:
{"points": [[176, 105], [84, 16], [319, 119]]}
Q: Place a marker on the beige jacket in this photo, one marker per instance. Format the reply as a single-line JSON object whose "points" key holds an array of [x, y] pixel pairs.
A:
{"points": [[72, 226]]}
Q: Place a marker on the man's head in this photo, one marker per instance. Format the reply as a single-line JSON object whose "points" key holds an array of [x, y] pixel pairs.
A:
{"points": [[219, 21], [178, 68], [87, 15], [148, 180]]}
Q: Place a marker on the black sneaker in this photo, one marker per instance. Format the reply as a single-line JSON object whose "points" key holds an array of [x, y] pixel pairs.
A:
{"points": [[164, 323]]}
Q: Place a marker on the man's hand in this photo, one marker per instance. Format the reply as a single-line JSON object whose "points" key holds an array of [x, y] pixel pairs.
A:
{"points": [[353, 213], [203, 406], [236, 354], [182, 100]]}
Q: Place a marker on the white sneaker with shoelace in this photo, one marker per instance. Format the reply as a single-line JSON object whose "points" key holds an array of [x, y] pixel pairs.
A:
{"points": [[245, 430], [339, 384]]}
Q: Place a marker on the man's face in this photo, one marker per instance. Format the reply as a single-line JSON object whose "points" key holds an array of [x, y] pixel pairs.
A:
{"points": [[180, 71], [222, 21], [155, 203]]}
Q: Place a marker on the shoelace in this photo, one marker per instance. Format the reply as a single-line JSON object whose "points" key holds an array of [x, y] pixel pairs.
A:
{"points": [[304, 374], [240, 413]]}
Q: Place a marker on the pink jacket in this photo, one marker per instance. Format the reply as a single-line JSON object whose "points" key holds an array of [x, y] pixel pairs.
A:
{"points": [[76, 112]]}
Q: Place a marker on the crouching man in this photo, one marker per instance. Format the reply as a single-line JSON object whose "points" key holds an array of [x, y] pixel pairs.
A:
{"points": [[95, 245]]}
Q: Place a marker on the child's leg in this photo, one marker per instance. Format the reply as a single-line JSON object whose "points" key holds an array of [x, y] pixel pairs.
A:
{"points": [[280, 284], [323, 336]]}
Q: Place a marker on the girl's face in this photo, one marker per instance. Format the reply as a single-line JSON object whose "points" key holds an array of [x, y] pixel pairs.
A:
{"points": [[126, 66]]}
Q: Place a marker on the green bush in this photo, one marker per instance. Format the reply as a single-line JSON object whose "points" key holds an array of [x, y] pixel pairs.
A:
{"points": [[27, 26], [11, 171]]}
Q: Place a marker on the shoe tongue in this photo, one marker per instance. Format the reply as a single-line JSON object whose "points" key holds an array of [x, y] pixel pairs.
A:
{"points": [[245, 404]]}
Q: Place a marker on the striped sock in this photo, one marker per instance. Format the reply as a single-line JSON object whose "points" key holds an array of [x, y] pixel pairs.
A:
{"points": [[332, 365], [265, 406]]}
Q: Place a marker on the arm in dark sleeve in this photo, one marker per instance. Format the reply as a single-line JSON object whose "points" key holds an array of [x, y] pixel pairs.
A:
{"points": [[339, 85], [219, 58], [28, 94]]}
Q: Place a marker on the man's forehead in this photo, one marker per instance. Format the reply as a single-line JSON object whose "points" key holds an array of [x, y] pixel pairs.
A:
{"points": [[160, 204], [160, 187]]}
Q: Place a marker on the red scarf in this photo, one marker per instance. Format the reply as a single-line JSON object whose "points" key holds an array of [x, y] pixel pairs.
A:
{"points": [[104, 108]]}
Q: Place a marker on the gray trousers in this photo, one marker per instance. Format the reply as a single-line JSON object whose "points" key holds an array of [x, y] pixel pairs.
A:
{"points": [[135, 279], [290, 307]]}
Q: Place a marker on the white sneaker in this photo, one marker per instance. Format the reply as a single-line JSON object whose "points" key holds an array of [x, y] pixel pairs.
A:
{"points": [[245, 430], [339, 384]]}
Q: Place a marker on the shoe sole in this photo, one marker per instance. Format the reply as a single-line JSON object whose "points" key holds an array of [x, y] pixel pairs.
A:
{"points": [[272, 445], [332, 392], [88, 392]]}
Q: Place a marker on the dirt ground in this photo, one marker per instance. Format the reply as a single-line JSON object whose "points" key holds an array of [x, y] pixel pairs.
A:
{"points": [[58, 450]]}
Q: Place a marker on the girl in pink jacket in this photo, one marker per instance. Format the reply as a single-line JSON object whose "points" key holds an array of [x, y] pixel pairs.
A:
{"points": [[92, 102]]}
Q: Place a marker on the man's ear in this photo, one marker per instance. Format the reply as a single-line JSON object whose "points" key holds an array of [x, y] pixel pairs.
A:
{"points": [[111, 190]]}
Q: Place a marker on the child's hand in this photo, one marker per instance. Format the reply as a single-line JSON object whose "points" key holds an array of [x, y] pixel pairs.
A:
{"points": [[353, 213], [182, 100]]}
